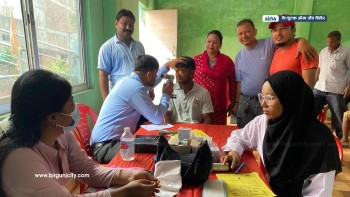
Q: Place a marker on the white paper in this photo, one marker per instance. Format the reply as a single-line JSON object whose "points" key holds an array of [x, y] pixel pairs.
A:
{"points": [[214, 188], [150, 127], [169, 174]]}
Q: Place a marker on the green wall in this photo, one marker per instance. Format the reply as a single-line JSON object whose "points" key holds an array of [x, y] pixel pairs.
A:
{"points": [[109, 14], [197, 18], [94, 38], [338, 12]]}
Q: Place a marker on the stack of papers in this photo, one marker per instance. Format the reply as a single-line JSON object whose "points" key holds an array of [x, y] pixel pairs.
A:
{"points": [[151, 127], [214, 188], [243, 185]]}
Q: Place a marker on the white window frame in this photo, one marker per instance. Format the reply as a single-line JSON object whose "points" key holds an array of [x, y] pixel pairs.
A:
{"points": [[32, 46]]}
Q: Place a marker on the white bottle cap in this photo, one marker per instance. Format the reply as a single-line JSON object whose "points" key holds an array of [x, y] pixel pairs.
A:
{"points": [[127, 129]]}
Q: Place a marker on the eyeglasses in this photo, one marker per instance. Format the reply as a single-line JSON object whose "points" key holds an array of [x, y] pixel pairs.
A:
{"points": [[267, 98]]}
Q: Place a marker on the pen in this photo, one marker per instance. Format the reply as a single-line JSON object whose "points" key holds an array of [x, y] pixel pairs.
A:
{"points": [[165, 132], [239, 167]]}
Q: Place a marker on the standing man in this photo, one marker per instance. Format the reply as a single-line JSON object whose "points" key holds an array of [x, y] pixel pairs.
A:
{"points": [[127, 101], [284, 58], [252, 68], [333, 86], [117, 55], [192, 103]]}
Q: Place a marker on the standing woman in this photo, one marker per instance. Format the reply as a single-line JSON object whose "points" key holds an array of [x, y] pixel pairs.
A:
{"points": [[39, 155], [299, 152], [216, 73]]}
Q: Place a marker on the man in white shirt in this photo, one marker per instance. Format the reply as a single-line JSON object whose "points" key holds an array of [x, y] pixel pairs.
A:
{"points": [[332, 86], [192, 103]]}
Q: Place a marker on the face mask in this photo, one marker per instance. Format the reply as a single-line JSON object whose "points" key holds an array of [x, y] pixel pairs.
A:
{"points": [[75, 115]]}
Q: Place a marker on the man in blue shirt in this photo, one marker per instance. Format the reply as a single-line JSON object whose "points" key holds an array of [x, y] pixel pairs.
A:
{"points": [[252, 68], [116, 58], [117, 55], [126, 102]]}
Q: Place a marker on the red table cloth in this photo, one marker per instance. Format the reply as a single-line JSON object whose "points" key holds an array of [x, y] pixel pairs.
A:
{"points": [[219, 134]]}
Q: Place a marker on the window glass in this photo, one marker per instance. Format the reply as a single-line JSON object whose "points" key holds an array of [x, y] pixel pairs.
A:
{"points": [[57, 24], [13, 52], [58, 37]]}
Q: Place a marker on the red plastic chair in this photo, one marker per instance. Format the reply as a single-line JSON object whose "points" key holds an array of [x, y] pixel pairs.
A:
{"points": [[340, 148], [262, 167], [83, 132], [322, 116]]}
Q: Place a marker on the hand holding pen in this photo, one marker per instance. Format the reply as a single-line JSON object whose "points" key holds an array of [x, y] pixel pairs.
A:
{"points": [[232, 157], [240, 166]]}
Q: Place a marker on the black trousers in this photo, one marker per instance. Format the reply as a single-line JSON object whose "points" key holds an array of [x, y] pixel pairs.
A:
{"points": [[105, 151]]}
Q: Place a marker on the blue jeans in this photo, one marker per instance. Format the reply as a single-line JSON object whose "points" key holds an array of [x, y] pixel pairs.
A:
{"points": [[336, 104], [248, 109]]}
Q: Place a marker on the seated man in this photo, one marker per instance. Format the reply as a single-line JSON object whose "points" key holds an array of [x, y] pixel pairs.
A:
{"points": [[126, 102], [192, 103]]}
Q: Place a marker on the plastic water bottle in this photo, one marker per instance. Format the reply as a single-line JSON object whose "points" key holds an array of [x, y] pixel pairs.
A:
{"points": [[233, 119], [127, 145]]}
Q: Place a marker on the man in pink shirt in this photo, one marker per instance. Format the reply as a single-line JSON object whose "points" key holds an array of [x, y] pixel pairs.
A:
{"points": [[284, 58]]}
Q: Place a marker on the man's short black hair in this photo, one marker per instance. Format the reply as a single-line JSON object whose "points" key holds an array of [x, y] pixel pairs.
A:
{"points": [[335, 34], [146, 63], [189, 63], [124, 12], [244, 21]]}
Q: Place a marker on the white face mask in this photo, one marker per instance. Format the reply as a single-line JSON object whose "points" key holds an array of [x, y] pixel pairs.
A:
{"points": [[75, 115]]}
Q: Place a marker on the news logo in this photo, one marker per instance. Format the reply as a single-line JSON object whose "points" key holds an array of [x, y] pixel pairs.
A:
{"points": [[270, 18], [294, 18]]}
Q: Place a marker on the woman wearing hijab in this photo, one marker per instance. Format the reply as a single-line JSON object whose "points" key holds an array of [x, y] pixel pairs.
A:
{"points": [[215, 72], [299, 153], [39, 155]]}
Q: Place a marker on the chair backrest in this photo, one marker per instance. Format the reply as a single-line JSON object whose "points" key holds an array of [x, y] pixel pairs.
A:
{"points": [[322, 116], [262, 166], [340, 148], [83, 131]]}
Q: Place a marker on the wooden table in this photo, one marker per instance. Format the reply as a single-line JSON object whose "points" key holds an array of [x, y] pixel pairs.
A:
{"points": [[219, 134]]}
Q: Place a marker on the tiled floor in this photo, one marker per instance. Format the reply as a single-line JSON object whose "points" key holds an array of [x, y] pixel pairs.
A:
{"points": [[341, 186], [342, 181]]}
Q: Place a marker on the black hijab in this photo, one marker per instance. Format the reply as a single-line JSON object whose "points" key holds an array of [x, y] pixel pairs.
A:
{"points": [[296, 145]]}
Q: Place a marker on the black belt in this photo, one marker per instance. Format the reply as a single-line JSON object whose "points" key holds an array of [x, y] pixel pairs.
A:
{"points": [[100, 144], [251, 97]]}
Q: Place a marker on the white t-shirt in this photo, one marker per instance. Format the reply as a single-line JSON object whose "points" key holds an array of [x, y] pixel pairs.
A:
{"points": [[190, 107], [334, 70]]}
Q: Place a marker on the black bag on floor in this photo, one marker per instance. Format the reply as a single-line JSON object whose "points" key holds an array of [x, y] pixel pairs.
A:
{"points": [[195, 167]]}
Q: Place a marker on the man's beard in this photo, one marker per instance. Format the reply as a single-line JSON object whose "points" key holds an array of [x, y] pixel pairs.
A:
{"points": [[281, 44], [127, 32], [151, 84]]}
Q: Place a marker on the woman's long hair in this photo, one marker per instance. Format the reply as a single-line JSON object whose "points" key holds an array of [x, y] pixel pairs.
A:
{"points": [[35, 95]]}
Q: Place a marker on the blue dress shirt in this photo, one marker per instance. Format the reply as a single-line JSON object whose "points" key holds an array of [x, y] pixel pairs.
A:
{"points": [[125, 104]]}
